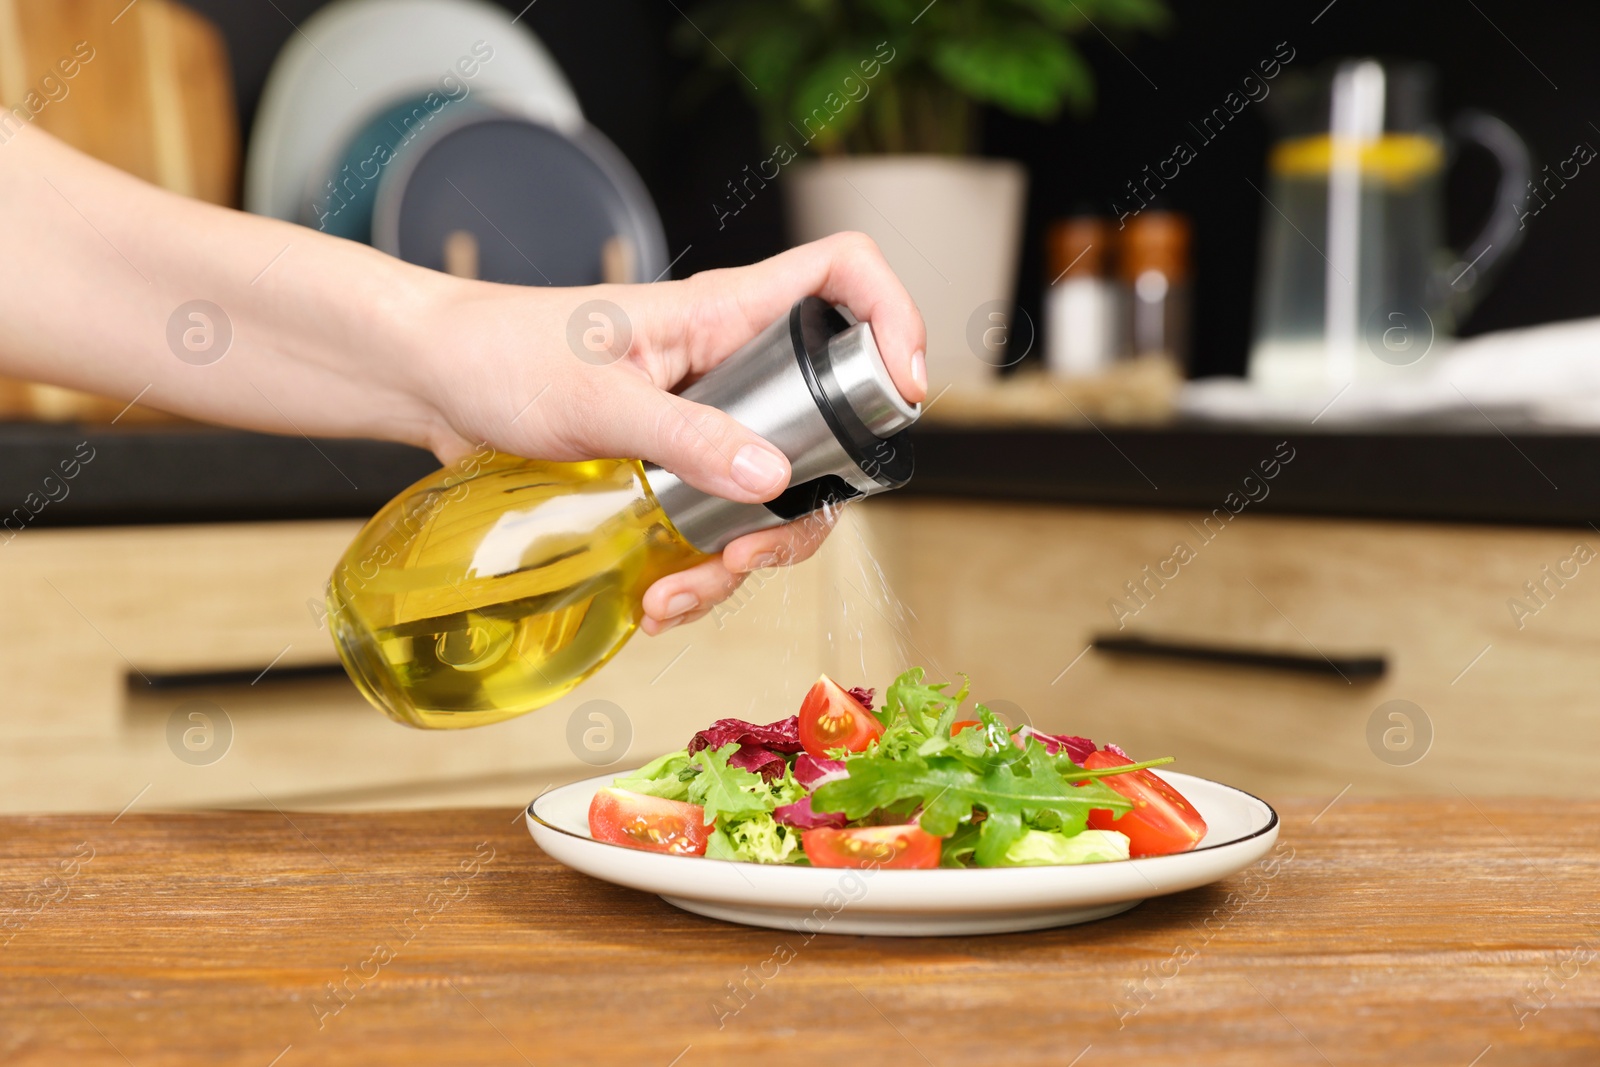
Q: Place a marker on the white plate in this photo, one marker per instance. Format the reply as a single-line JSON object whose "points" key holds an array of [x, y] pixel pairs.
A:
{"points": [[354, 58], [1240, 830]]}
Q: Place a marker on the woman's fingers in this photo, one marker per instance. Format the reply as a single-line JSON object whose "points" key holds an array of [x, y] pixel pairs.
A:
{"points": [[656, 629], [626, 415], [857, 276], [690, 594], [687, 595], [782, 546], [681, 329], [847, 269]]}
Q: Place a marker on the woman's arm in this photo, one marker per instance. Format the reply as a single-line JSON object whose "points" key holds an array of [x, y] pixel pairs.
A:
{"points": [[96, 262], [333, 338]]}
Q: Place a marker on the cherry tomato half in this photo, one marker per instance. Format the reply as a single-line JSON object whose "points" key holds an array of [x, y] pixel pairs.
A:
{"points": [[634, 820], [961, 724], [891, 847], [1161, 821], [831, 718]]}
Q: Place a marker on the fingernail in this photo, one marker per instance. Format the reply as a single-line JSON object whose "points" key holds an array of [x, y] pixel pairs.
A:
{"points": [[919, 369], [681, 604], [757, 469]]}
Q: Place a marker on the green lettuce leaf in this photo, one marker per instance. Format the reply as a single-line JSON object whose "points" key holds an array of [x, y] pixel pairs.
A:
{"points": [[758, 839], [1039, 848], [661, 777], [786, 790]]}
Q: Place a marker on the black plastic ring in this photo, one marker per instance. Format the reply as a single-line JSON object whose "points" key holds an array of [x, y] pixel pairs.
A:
{"points": [[813, 322]]}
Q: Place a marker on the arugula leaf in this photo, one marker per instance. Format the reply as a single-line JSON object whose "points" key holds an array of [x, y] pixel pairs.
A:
{"points": [[959, 846], [916, 716], [1060, 822], [923, 704], [948, 788], [728, 792], [997, 798], [1000, 831]]}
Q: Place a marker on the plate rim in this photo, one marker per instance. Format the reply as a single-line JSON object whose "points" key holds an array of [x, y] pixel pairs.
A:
{"points": [[1272, 824]]}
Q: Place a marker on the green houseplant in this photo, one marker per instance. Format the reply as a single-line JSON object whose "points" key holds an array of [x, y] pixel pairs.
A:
{"points": [[887, 96], [949, 58]]}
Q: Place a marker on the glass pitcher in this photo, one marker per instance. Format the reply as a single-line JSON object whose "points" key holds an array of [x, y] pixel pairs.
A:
{"points": [[1354, 280]]}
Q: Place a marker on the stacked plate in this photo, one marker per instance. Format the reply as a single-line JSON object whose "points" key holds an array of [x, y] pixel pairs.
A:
{"points": [[443, 132]]}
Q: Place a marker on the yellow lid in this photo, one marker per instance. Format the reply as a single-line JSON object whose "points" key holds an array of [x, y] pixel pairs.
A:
{"points": [[1394, 158]]}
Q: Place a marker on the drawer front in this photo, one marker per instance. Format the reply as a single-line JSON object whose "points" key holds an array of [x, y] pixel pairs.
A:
{"points": [[94, 612], [1488, 633], [1501, 675]]}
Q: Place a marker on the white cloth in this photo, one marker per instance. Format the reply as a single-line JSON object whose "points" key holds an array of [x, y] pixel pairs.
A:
{"points": [[1545, 375]]}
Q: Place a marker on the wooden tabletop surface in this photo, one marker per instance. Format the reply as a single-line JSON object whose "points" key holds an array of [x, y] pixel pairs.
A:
{"points": [[1443, 931]]}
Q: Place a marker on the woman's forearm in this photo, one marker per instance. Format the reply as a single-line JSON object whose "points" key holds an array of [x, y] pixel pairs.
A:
{"points": [[98, 271], [97, 264]]}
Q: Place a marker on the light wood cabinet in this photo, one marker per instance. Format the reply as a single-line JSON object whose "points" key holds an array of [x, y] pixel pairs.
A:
{"points": [[1014, 594], [1010, 594], [93, 612]]}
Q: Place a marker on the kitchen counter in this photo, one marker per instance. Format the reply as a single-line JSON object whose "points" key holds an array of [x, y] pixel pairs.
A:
{"points": [[1415, 472], [1444, 473], [188, 473], [1420, 932]]}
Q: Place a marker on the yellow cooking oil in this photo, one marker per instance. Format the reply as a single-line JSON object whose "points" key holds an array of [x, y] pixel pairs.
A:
{"points": [[490, 589]]}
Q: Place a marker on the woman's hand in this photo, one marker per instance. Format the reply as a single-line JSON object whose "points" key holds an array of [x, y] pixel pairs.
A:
{"points": [[331, 338], [507, 366]]}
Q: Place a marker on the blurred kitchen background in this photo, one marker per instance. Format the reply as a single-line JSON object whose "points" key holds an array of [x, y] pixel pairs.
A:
{"points": [[1247, 444]]}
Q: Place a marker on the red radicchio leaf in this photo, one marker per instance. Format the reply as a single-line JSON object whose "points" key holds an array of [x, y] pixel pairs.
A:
{"points": [[864, 695], [763, 761], [801, 817], [1078, 748], [1116, 750], [780, 736], [811, 772]]}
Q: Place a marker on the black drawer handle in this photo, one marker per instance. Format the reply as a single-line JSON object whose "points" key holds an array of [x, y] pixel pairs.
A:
{"points": [[250, 676], [1349, 668]]}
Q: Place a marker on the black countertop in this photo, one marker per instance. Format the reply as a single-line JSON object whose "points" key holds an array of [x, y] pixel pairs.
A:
{"points": [[1526, 477], [139, 475]]}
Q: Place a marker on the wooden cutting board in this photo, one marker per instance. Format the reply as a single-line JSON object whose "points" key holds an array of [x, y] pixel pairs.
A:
{"points": [[143, 85]]}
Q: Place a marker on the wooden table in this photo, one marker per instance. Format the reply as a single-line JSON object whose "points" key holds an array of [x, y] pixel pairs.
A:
{"points": [[1417, 932]]}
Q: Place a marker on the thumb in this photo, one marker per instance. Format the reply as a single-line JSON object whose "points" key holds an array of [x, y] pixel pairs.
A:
{"points": [[705, 447]]}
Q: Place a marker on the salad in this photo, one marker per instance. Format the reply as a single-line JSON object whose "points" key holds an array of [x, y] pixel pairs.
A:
{"points": [[912, 784]]}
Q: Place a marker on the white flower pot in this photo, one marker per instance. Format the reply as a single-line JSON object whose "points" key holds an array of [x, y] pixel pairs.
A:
{"points": [[952, 230]]}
